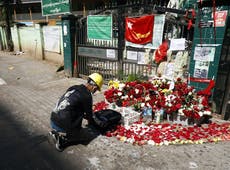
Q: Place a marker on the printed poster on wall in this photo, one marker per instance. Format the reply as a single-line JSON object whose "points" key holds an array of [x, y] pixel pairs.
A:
{"points": [[221, 18], [204, 53], [132, 55], [52, 36], [177, 44], [141, 58], [110, 53], [201, 69]]}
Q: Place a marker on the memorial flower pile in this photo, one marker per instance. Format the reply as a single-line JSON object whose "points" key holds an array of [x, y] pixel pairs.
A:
{"points": [[175, 98], [159, 93], [166, 134]]}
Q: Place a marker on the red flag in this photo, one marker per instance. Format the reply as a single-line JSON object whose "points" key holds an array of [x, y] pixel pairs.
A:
{"points": [[139, 30]]}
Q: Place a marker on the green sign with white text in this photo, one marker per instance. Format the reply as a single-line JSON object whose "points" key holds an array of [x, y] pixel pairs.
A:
{"points": [[55, 7], [99, 27]]}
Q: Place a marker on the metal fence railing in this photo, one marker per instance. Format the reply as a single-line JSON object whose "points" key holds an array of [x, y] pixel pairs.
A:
{"points": [[87, 65], [114, 68]]}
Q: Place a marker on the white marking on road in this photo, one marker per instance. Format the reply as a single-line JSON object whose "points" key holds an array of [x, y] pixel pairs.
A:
{"points": [[94, 161], [193, 165], [2, 82]]}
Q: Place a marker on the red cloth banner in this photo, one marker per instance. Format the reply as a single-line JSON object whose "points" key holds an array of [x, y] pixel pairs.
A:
{"points": [[139, 30]]}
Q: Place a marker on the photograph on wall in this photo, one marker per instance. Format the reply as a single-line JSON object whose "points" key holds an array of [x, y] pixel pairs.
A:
{"points": [[204, 53], [201, 69]]}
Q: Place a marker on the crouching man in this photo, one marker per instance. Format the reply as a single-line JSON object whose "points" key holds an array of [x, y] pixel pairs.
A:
{"points": [[74, 105]]}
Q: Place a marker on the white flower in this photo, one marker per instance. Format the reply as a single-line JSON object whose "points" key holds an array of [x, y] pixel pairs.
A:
{"points": [[121, 86], [142, 132], [119, 93], [151, 142], [142, 104], [148, 105], [190, 93], [200, 100], [166, 142], [200, 106], [200, 113], [163, 80], [180, 111], [137, 91], [170, 97], [124, 97], [207, 112], [128, 127], [130, 140]]}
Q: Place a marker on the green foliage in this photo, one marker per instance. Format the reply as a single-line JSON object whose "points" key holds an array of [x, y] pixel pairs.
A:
{"points": [[136, 77], [137, 106], [131, 77], [120, 75]]}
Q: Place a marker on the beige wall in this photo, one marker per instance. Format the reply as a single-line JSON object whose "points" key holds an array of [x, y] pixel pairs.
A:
{"points": [[54, 57], [31, 40]]}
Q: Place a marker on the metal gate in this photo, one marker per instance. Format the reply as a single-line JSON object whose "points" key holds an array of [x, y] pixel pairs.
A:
{"points": [[91, 53]]}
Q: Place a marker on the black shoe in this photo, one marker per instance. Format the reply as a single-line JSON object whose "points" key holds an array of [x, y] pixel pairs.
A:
{"points": [[52, 138], [55, 140], [60, 143]]}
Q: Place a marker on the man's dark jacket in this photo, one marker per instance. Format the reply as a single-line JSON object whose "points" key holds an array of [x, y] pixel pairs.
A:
{"points": [[72, 107]]}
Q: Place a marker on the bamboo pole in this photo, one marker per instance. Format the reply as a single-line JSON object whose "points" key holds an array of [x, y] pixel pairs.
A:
{"points": [[31, 17], [15, 14]]}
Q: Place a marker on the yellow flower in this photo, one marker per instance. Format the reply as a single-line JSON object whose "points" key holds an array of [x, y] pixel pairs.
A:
{"points": [[114, 84], [166, 91], [123, 139]]}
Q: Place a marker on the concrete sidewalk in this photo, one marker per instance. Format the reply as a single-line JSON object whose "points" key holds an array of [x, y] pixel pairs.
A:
{"points": [[30, 92], [36, 84]]}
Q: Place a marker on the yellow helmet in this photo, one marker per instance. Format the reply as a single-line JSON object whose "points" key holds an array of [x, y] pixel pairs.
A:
{"points": [[97, 78]]}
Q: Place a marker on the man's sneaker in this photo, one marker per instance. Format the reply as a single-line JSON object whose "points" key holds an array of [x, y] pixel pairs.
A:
{"points": [[52, 138], [59, 144], [55, 140]]}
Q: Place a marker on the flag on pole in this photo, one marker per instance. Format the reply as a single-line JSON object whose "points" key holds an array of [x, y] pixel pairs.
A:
{"points": [[139, 30]]}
